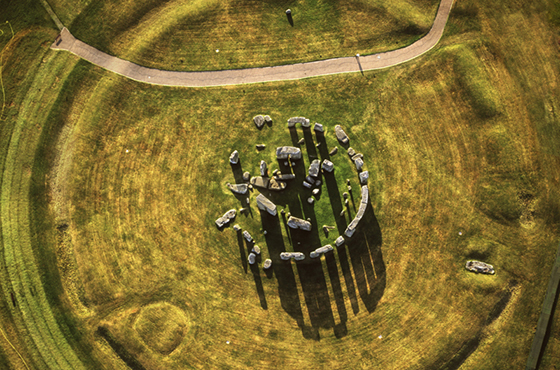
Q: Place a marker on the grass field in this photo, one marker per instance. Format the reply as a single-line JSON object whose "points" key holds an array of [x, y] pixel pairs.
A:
{"points": [[181, 35], [110, 189]]}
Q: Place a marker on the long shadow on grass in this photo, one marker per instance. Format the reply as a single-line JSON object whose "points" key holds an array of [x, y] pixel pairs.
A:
{"points": [[364, 249]]}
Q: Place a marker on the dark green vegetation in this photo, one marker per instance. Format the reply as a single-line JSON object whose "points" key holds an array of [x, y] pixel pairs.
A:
{"points": [[463, 140]]}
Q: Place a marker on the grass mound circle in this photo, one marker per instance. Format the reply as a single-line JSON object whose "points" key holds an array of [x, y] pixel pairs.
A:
{"points": [[162, 327]]}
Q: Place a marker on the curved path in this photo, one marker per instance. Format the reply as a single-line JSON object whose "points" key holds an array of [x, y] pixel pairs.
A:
{"points": [[65, 41]]}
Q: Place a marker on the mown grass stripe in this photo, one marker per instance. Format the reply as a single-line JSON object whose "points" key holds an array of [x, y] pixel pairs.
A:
{"points": [[33, 309]]}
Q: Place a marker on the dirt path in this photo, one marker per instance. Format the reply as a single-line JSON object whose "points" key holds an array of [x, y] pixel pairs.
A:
{"points": [[65, 41]]}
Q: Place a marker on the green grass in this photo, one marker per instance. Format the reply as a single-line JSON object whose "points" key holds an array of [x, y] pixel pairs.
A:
{"points": [[248, 33], [108, 234]]}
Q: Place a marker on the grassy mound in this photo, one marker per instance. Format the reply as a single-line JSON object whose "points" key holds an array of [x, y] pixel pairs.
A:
{"points": [[162, 327]]}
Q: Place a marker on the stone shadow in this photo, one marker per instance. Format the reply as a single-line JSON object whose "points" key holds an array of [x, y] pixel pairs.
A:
{"points": [[366, 256], [258, 282], [287, 286], [242, 253]]}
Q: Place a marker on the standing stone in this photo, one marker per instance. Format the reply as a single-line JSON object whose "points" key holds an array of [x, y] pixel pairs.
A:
{"points": [[246, 176], [247, 236], [260, 147], [306, 123], [268, 120], [333, 151], [318, 127], [359, 164], [267, 263], [357, 155], [345, 195], [264, 204], [341, 135], [327, 165], [339, 241], [314, 168], [264, 169], [364, 176], [307, 185], [256, 250], [315, 192], [252, 258], [351, 152], [236, 227], [259, 121], [234, 157], [310, 200]]}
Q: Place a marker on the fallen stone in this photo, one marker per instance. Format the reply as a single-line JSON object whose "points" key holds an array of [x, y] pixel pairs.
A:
{"points": [[359, 164], [256, 250], [264, 204], [252, 258], [259, 121], [285, 176], [238, 188], [307, 185], [246, 176], [267, 263], [310, 200], [314, 168], [264, 168], [318, 127], [259, 181], [285, 152], [327, 165], [339, 241], [276, 185], [230, 215], [316, 192], [260, 146], [268, 120], [298, 256], [310, 180], [221, 222], [351, 152], [275, 172], [247, 236], [341, 135], [319, 251], [298, 223], [333, 151], [234, 157], [364, 176], [480, 267]]}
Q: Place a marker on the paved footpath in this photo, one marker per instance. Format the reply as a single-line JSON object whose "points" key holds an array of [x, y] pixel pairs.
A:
{"points": [[65, 41]]}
